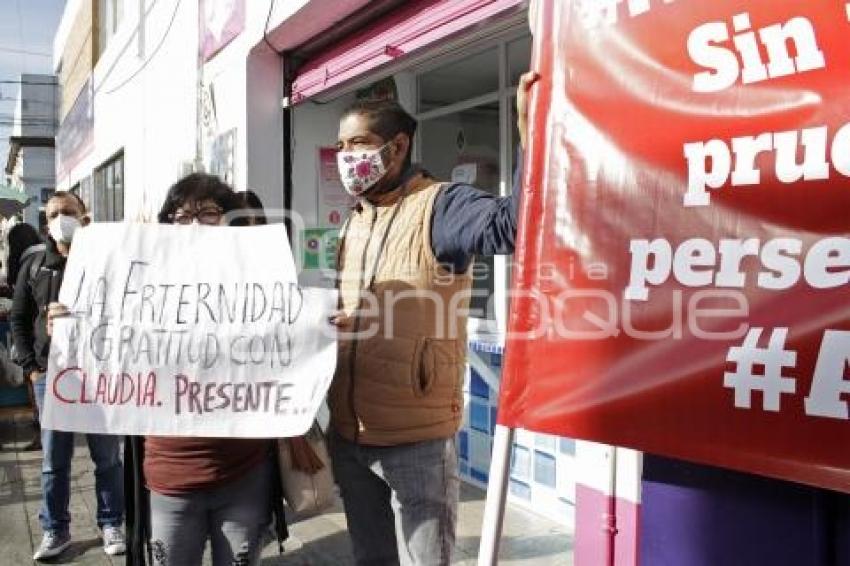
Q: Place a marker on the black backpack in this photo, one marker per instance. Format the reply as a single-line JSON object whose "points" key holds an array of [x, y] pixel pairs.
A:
{"points": [[37, 264]]}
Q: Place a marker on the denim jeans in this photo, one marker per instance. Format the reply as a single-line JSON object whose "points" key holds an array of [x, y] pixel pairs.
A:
{"points": [[233, 517], [400, 501], [58, 449]]}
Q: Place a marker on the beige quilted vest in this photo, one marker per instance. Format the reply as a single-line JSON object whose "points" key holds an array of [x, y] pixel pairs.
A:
{"points": [[400, 380]]}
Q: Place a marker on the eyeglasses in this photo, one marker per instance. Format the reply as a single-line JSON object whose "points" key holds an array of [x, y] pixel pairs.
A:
{"points": [[210, 216]]}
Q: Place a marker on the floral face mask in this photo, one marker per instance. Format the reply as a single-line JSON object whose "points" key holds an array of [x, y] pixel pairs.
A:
{"points": [[360, 170]]}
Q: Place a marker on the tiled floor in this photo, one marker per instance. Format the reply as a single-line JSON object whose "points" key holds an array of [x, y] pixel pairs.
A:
{"points": [[319, 541]]}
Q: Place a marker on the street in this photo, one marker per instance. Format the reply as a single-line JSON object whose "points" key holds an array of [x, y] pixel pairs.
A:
{"points": [[320, 541]]}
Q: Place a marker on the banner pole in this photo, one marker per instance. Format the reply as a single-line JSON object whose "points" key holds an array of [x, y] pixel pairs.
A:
{"points": [[609, 518], [497, 488]]}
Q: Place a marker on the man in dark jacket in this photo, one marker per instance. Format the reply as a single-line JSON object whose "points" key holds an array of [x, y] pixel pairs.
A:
{"points": [[38, 284]]}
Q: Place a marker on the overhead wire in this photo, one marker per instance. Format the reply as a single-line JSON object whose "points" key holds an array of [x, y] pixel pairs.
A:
{"points": [[25, 52], [118, 56], [20, 26], [152, 55]]}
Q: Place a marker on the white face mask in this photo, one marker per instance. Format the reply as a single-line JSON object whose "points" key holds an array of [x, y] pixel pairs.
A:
{"points": [[360, 170], [62, 228]]}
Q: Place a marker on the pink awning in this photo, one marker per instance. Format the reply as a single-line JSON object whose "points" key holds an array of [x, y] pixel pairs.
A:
{"points": [[404, 31]]}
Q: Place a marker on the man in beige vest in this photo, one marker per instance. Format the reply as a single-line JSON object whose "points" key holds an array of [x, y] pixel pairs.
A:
{"points": [[404, 280]]}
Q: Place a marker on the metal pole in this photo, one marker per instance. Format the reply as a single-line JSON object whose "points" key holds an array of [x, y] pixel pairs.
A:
{"points": [[288, 66], [497, 489], [198, 164], [609, 518]]}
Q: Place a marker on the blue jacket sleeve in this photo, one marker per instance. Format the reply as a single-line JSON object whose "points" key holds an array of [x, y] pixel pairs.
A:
{"points": [[467, 222]]}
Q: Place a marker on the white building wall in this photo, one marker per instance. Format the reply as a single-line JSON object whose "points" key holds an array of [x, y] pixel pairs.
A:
{"points": [[144, 103], [247, 79], [145, 98], [263, 132]]}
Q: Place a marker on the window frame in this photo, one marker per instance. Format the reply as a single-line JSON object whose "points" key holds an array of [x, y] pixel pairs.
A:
{"points": [[110, 14], [104, 206], [505, 96]]}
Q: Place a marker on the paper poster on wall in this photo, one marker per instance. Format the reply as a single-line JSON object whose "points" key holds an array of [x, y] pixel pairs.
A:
{"points": [[222, 156], [209, 113], [319, 251], [188, 331], [221, 22], [465, 173], [334, 202]]}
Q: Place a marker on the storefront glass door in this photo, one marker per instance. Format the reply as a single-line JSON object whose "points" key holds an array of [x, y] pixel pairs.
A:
{"points": [[467, 133]]}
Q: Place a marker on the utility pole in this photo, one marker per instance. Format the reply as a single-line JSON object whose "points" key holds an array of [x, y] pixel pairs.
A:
{"points": [[199, 99]]}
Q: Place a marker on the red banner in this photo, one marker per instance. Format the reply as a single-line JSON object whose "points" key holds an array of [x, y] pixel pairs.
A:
{"points": [[683, 269]]}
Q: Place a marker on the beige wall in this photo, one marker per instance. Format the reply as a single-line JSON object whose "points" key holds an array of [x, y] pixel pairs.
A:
{"points": [[79, 55]]}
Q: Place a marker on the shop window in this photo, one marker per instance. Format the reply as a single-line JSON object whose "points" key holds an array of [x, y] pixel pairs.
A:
{"points": [[520, 462], [519, 55], [545, 469], [567, 446], [108, 198], [462, 107], [85, 189], [464, 146], [109, 16], [461, 80], [520, 489]]}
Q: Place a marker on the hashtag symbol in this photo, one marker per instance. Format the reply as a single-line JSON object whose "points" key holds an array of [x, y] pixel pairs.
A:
{"points": [[595, 13], [749, 358]]}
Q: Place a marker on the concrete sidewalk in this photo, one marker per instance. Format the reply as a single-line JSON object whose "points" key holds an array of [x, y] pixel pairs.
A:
{"points": [[320, 541]]}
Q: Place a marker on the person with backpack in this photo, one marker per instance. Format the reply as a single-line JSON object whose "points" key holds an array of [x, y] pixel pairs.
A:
{"points": [[37, 286], [23, 241]]}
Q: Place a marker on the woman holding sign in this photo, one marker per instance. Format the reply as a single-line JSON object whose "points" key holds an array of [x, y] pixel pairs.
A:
{"points": [[190, 490]]}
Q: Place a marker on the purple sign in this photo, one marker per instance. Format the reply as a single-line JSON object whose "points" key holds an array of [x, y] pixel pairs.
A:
{"points": [[75, 137], [221, 21]]}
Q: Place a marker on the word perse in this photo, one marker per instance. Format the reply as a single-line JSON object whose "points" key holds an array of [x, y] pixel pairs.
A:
{"points": [[698, 262]]}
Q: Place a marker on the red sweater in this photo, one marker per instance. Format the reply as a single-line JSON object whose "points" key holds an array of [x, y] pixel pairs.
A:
{"points": [[181, 465]]}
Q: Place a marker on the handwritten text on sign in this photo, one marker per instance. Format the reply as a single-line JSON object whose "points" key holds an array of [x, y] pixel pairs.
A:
{"points": [[196, 331]]}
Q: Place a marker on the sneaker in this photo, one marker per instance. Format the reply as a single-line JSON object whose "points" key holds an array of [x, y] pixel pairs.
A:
{"points": [[52, 544], [113, 541]]}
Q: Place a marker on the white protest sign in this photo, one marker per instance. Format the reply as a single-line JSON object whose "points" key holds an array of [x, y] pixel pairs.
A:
{"points": [[188, 331]]}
